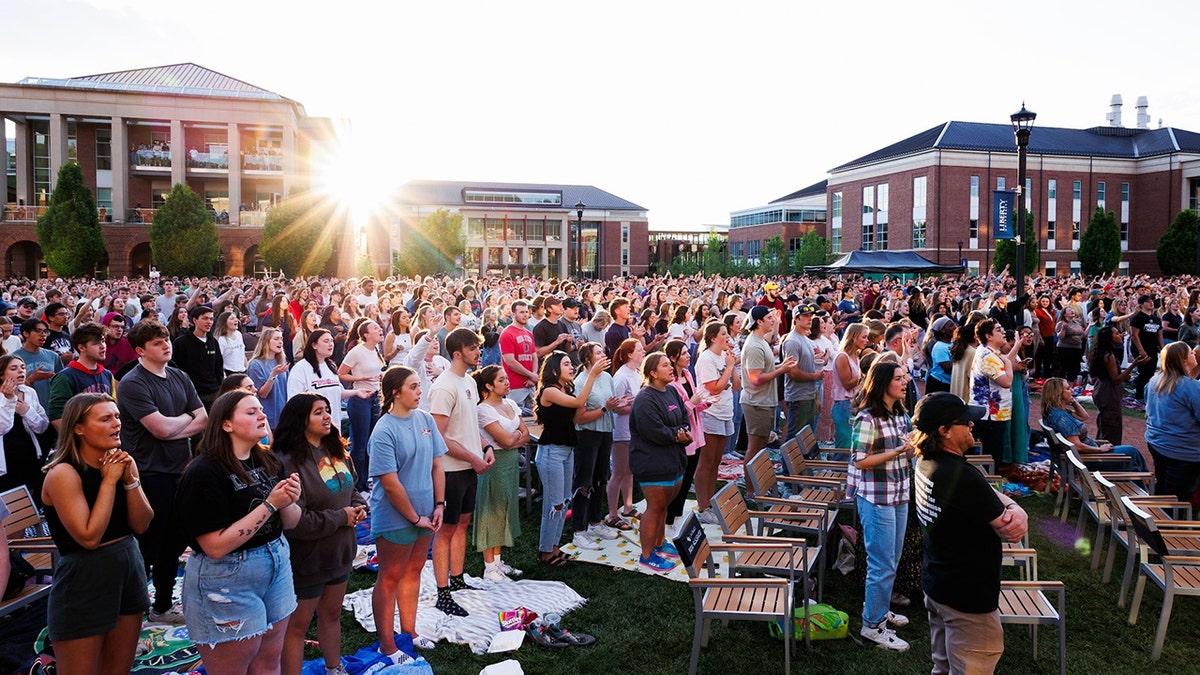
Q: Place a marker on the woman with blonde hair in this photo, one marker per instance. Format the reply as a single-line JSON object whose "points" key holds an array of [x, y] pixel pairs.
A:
{"points": [[269, 370], [1066, 416], [845, 381], [99, 592], [1173, 422]]}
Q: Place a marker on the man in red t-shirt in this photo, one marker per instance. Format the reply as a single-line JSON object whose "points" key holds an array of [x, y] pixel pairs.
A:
{"points": [[770, 298], [519, 356]]}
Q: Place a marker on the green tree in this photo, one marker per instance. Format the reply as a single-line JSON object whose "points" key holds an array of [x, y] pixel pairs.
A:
{"points": [[69, 231], [713, 258], [814, 250], [431, 246], [1177, 249], [1005, 254], [773, 257], [1100, 246], [183, 236], [298, 234]]}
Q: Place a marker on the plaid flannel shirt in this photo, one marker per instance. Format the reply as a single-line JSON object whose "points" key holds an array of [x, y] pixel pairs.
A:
{"points": [[886, 484]]}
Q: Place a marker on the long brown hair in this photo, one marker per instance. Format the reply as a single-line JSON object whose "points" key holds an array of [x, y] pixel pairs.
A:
{"points": [[217, 444], [623, 354]]}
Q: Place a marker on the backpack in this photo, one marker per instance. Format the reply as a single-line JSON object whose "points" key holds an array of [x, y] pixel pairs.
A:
{"points": [[826, 623]]}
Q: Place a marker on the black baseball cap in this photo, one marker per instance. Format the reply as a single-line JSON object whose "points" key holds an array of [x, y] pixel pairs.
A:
{"points": [[571, 303], [941, 408]]}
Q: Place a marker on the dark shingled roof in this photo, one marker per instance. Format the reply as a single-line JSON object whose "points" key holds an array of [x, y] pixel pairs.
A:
{"points": [[1111, 142], [451, 192], [814, 189], [178, 78]]}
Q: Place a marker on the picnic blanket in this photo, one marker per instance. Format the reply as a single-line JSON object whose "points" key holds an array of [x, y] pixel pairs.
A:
{"points": [[484, 605], [622, 553]]}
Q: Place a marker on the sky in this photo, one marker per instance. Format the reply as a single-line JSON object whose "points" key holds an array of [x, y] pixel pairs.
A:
{"points": [[689, 109]]}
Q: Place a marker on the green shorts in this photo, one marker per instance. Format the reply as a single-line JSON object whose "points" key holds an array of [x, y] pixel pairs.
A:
{"points": [[405, 535]]}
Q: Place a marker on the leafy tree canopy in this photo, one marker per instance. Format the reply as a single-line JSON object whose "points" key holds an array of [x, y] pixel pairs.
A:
{"points": [[1177, 249], [1100, 246], [299, 233], [69, 231], [183, 236], [432, 245]]}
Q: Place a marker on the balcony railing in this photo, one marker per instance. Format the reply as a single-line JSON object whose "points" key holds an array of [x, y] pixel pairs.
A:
{"points": [[207, 160], [17, 213], [262, 162], [151, 159]]}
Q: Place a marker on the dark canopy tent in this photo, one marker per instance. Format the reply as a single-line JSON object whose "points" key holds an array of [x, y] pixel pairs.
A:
{"points": [[884, 262]]}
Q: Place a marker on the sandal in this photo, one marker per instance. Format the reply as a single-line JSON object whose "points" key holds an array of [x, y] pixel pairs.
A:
{"points": [[617, 523], [563, 636], [555, 559], [631, 513]]}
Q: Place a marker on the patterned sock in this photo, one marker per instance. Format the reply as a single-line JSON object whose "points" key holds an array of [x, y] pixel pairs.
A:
{"points": [[447, 605], [458, 584]]}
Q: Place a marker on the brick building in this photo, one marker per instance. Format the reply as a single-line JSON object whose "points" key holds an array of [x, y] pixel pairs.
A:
{"points": [[790, 217], [135, 134], [526, 228], [933, 191]]}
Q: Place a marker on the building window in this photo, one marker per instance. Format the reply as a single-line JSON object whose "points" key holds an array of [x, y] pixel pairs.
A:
{"points": [[835, 226], [868, 201], [881, 237], [1052, 189], [625, 234], [1000, 183], [1124, 236], [1077, 190], [535, 256], [1075, 268], [494, 229], [104, 199], [836, 243], [553, 230], [1101, 189], [918, 238], [975, 186], [918, 214], [534, 231], [793, 244], [1075, 236], [103, 149], [837, 205], [624, 257], [973, 229], [868, 237], [475, 228], [1051, 268], [474, 257], [1051, 231], [1124, 192], [881, 203]]}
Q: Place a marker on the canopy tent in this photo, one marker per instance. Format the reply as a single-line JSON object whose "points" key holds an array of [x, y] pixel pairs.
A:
{"points": [[894, 262]]}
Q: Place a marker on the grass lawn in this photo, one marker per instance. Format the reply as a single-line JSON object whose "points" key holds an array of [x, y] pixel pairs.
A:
{"points": [[645, 624]]}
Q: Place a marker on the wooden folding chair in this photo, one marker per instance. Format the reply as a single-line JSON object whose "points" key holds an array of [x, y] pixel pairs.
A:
{"points": [[768, 600], [737, 527], [1174, 574], [1163, 508], [796, 463], [1095, 503], [38, 550], [1026, 603]]}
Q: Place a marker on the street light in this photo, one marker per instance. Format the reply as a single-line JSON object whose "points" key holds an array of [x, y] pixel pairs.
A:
{"points": [[579, 207], [961, 262], [1022, 123]]}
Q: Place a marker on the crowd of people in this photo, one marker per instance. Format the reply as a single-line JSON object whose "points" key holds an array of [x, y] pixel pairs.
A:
{"points": [[218, 406]]}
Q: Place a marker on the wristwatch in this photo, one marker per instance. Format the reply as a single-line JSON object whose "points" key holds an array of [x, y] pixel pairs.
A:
{"points": [[488, 447]]}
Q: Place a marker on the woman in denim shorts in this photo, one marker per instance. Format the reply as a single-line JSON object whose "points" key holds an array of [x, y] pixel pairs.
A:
{"points": [[408, 495], [234, 507], [99, 591]]}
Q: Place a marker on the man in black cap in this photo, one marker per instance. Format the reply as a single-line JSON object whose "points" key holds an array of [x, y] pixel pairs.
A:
{"points": [[964, 521], [1146, 336]]}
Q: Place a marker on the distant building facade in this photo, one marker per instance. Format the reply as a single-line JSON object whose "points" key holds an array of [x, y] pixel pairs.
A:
{"points": [[932, 192], [533, 229], [790, 217]]}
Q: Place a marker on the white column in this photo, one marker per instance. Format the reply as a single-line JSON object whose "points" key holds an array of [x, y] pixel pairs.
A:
{"points": [[24, 165], [234, 141], [58, 146], [120, 169], [178, 154], [290, 160]]}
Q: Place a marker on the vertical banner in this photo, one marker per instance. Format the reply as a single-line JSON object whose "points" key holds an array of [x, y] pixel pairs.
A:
{"points": [[1004, 214]]}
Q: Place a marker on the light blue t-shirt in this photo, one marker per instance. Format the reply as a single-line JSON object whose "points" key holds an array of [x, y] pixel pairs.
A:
{"points": [[258, 371], [1173, 420], [940, 354], [406, 447]]}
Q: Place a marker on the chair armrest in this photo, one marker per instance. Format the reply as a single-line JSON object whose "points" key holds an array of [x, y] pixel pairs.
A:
{"points": [[754, 538], [1165, 525], [32, 547], [825, 464], [796, 503], [1105, 457], [741, 583], [786, 515], [1038, 585], [1158, 500], [751, 547], [1126, 476], [1186, 561], [811, 480]]}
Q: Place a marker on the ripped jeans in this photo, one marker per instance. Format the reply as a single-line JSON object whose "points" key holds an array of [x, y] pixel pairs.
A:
{"points": [[556, 466], [239, 595]]}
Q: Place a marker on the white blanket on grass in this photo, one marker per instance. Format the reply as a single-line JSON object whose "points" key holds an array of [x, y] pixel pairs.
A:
{"points": [[484, 606]]}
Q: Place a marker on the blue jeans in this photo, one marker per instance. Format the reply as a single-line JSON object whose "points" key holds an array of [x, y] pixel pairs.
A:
{"points": [[731, 445], [883, 532], [556, 466], [800, 414], [239, 595], [842, 427], [363, 414]]}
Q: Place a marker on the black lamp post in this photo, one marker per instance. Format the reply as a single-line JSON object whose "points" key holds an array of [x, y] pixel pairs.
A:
{"points": [[1022, 123], [579, 206], [961, 262]]}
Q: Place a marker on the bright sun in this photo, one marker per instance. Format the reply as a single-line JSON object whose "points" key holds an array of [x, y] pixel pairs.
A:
{"points": [[361, 177]]}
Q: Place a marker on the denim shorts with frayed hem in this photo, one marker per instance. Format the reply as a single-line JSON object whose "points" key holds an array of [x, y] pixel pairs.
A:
{"points": [[238, 596]]}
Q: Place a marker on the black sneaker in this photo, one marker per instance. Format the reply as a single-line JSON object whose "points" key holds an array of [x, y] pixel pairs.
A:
{"points": [[447, 605]]}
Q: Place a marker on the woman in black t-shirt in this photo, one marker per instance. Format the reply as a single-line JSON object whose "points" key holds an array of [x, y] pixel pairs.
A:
{"points": [[232, 505], [94, 504]]}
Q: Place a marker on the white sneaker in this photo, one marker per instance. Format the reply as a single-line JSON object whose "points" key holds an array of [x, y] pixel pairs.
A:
{"points": [[170, 617], [584, 540], [494, 573], [601, 531], [671, 531], [897, 620], [709, 517], [509, 570], [884, 637]]}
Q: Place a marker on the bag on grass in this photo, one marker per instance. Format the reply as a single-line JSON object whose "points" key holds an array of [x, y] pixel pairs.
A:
{"points": [[826, 623]]}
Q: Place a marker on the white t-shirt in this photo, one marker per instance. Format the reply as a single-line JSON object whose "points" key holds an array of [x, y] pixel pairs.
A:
{"points": [[711, 367], [324, 382], [457, 397], [488, 414], [627, 382], [233, 351]]}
